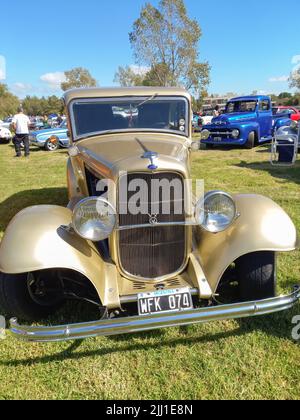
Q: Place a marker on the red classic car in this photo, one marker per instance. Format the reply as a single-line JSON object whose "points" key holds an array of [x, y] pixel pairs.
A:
{"points": [[295, 112]]}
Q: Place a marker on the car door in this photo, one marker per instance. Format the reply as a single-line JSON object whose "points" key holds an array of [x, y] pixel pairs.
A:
{"points": [[265, 118]]}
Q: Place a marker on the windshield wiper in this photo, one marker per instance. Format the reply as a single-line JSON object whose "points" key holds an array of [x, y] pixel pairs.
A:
{"points": [[147, 100]]}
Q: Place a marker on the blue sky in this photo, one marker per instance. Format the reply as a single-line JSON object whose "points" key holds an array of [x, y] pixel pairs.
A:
{"points": [[250, 45]]}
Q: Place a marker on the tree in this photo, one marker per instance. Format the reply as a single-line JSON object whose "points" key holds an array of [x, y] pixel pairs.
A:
{"points": [[77, 78], [32, 105], [295, 79], [166, 40], [285, 95], [126, 76], [8, 102], [43, 106]]}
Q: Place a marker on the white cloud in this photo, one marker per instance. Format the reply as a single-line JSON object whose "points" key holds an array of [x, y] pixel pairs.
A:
{"points": [[53, 80], [279, 79], [296, 59], [140, 70], [20, 88]]}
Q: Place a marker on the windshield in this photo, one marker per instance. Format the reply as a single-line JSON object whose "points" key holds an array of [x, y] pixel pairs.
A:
{"points": [[91, 117], [63, 125], [240, 106]]}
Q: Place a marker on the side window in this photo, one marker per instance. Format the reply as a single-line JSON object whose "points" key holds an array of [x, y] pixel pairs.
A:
{"points": [[264, 106]]}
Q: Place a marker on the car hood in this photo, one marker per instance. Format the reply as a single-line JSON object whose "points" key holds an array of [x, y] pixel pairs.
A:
{"points": [[47, 131], [233, 118], [126, 152]]}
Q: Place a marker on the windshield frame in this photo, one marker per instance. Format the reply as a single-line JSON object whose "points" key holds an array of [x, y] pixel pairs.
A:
{"points": [[139, 98]]}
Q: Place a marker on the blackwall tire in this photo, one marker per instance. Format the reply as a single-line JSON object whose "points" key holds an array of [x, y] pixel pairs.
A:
{"points": [[256, 275], [16, 301], [251, 140]]}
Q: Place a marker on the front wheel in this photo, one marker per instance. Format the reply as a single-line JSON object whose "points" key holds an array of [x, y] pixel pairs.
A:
{"points": [[256, 275], [29, 297], [251, 140], [52, 144]]}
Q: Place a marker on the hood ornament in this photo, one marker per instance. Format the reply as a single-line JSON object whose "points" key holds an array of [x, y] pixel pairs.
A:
{"points": [[151, 156]]}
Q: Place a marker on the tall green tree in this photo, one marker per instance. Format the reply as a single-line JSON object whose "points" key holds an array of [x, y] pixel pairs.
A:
{"points": [[126, 76], [77, 78], [42, 106], [166, 40], [8, 102], [295, 79]]}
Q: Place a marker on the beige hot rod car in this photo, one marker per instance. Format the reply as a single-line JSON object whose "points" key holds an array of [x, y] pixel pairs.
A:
{"points": [[133, 241]]}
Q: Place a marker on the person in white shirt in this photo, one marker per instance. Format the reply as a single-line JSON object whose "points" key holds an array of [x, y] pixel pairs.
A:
{"points": [[20, 124]]}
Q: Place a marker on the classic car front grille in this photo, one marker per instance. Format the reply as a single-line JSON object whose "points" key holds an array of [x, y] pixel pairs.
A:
{"points": [[153, 252], [220, 132]]}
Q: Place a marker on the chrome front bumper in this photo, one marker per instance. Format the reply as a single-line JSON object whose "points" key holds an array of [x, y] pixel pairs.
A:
{"points": [[151, 322]]}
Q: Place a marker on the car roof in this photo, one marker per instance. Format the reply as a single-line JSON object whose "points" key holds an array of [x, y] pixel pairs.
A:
{"points": [[84, 93], [251, 98], [286, 107]]}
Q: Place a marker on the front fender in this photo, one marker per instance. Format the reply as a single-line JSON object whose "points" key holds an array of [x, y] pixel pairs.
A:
{"points": [[262, 226], [35, 240], [247, 128]]}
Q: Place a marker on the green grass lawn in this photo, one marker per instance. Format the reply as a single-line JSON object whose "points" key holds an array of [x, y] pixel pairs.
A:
{"points": [[253, 358]]}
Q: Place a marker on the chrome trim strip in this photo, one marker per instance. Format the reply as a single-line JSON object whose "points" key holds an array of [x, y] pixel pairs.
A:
{"points": [[148, 225], [146, 323]]}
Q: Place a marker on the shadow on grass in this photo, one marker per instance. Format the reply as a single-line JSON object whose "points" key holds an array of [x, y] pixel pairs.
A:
{"points": [[276, 325], [287, 174], [19, 201], [35, 149]]}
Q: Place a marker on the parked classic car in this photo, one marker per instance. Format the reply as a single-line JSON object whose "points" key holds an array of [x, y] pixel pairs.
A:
{"points": [[248, 121], [293, 112], [6, 123], [132, 242], [38, 123], [50, 138], [5, 135]]}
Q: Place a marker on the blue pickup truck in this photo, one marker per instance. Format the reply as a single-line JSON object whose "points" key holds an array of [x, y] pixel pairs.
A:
{"points": [[248, 121]]}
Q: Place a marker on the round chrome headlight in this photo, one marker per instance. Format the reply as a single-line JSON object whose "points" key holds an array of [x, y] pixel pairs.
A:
{"points": [[94, 219], [205, 134], [216, 211], [235, 134]]}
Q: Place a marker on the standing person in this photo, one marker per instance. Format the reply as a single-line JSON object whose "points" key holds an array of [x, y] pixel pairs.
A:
{"points": [[217, 111], [59, 120], [20, 124]]}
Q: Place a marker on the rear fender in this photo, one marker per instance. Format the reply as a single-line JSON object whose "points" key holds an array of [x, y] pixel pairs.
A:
{"points": [[281, 122], [37, 240]]}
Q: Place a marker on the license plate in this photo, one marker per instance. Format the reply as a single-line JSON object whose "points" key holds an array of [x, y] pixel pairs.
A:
{"points": [[218, 139], [164, 301]]}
